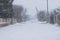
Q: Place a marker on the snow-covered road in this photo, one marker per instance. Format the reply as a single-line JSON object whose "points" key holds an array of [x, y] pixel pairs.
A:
{"points": [[30, 31]]}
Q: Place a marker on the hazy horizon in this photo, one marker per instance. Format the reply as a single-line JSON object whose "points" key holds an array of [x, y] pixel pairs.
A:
{"points": [[31, 5]]}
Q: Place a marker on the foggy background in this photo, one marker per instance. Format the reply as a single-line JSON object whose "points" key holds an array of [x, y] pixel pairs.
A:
{"points": [[31, 5]]}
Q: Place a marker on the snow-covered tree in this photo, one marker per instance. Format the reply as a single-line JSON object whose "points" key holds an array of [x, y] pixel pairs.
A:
{"points": [[18, 12], [41, 16], [25, 16]]}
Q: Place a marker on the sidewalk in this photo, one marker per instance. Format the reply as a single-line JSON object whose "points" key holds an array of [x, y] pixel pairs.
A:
{"points": [[3, 24]]}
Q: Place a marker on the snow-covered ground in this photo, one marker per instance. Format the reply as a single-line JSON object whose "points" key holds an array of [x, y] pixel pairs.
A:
{"points": [[30, 30]]}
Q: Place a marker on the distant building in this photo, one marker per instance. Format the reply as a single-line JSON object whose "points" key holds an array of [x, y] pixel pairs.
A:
{"points": [[57, 16]]}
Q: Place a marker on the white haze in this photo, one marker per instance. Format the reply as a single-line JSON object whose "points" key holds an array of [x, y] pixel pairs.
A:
{"points": [[31, 5]]}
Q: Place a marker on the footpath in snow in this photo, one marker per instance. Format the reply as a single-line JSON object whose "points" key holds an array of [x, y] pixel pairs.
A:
{"points": [[30, 31]]}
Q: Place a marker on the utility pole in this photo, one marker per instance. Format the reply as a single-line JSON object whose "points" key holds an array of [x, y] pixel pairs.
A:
{"points": [[47, 13], [47, 6], [37, 10]]}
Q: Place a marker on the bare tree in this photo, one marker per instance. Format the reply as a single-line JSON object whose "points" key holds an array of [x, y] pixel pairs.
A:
{"points": [[18, 12]]}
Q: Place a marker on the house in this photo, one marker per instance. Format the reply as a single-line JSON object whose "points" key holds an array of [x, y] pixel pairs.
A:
{"points": [[57, 16], [6, 11]]}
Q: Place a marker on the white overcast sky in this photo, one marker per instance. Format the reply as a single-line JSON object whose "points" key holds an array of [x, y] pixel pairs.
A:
{"points": [[31, 5]]}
